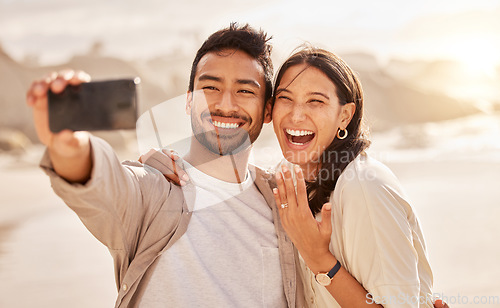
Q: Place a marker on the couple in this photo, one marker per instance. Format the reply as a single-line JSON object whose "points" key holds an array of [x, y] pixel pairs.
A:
{"points": [[219, 241]]}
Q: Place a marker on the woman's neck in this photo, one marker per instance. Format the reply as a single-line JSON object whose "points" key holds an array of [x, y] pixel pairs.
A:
{"points": [[310, 171]]}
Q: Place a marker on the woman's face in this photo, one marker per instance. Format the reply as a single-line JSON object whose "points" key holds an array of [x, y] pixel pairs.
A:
{"points": [[307, 115]]}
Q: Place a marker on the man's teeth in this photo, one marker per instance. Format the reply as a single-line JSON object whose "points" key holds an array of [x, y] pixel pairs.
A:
{"points": [[299, 132], [225, 125]]}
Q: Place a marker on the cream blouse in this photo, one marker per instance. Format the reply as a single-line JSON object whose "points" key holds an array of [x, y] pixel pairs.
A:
{"points": [[377, 238]]}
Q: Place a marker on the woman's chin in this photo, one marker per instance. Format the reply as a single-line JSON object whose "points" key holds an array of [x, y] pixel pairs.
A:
{"points": [[297, 158]]}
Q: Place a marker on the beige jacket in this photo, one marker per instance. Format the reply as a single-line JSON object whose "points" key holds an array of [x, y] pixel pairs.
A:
{"points": [[137, 214]]}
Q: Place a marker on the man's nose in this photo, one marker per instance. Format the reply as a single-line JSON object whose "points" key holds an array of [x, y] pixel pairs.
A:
{"points": [[227, 103]]}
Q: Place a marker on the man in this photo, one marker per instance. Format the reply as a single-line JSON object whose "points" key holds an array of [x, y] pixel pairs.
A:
{"points": [[218, 241]]}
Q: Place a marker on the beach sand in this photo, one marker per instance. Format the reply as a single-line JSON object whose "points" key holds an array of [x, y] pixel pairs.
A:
{"points": [[49, 259]]}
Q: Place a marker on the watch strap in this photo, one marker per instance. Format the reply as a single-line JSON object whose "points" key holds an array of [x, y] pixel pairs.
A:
{"points": [[334, 270], [325, 279]]}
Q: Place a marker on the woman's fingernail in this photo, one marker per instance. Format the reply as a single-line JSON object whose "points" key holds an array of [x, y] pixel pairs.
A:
{"points": [[275, 191], [297, 169], [185, 177], [284, 168]]}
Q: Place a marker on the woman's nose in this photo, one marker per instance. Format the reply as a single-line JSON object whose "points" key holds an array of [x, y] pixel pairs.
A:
{"points": [[298, 113]]}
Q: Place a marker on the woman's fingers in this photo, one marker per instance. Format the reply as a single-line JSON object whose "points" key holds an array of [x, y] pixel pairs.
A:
{"points": [[178, 166], [281, 191], [147, 155], [280, 199], [168, 163], [281, 209], [326, 220], [289, 188], [302, 200]]}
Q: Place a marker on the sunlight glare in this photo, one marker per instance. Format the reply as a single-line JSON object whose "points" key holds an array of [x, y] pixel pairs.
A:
{"points": [[478, 55]]}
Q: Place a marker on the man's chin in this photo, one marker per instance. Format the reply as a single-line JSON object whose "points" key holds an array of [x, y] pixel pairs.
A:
{"points": [[223, 146]]}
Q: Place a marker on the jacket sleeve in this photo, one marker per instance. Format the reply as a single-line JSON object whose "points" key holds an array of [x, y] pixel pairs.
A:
{"points": [[116, 200]]}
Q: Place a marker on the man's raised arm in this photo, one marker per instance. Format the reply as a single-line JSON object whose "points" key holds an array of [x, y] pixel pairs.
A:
{"points": [[69, 151]]}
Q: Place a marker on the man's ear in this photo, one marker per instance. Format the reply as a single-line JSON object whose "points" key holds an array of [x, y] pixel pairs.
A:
{"points": [[189, 101], [346, 113], [268, 111]]}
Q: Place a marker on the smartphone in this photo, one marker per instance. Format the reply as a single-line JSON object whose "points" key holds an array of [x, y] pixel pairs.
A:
{"points": [[98, 105]]}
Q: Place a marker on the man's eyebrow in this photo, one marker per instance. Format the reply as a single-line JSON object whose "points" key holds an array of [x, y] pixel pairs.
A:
{"points": [[219, 79], [209, 77], [248, 82]]}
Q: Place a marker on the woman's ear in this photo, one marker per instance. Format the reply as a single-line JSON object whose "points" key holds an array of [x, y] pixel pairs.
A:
{"points": [[268, 112], [346, 113], [189, 100]]}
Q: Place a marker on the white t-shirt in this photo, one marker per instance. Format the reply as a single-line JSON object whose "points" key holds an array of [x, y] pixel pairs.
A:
{"points": [[376, 236], [228, 256]]}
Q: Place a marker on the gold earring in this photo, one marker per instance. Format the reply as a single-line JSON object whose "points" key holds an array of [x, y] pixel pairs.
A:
{"points": [[344, 135]]}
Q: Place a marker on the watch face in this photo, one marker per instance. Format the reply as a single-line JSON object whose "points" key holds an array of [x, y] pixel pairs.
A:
{"points": [[323, 279]]}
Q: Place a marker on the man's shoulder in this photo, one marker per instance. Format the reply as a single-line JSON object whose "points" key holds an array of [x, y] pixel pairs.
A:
{"points": [[259, 173]]}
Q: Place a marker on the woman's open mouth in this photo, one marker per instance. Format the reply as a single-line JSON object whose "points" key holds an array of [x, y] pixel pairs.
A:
{"points": [[299, 137]]}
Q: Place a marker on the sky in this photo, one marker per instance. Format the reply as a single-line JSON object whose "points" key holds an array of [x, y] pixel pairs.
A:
{"points": [[53, 30]]}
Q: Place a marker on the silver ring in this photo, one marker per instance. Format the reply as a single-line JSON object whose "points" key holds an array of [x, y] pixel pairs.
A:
{"points": [[284, 205]]}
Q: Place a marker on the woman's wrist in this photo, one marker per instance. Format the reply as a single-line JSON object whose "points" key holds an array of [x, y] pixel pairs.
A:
{"points": [[322, 263]]}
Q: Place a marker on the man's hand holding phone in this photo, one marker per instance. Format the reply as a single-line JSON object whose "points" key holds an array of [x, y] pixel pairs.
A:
{"points": [[69, 151]]}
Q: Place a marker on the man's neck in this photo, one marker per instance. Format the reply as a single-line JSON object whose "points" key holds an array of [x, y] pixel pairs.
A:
{"points": [[229, 168]]}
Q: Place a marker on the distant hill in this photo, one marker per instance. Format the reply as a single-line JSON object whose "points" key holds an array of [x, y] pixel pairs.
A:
{"points": [[393, 94]]}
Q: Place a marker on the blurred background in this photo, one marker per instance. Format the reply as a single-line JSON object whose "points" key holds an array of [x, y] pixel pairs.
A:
{"points": [[431, 75]]}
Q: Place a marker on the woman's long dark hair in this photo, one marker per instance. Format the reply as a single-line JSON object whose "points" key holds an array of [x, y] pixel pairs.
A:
{"points": [[340, 152]]}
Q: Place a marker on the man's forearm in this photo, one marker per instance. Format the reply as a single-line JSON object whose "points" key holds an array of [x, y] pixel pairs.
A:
{"points": [[74, 168]]}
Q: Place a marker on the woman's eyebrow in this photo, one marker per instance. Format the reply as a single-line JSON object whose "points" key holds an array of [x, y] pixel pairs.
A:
{"points": [[279, 90], [319, 93]]}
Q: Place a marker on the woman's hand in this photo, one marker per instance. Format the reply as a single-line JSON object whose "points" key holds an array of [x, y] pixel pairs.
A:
{"points": [[167, 162], [311, 237]]}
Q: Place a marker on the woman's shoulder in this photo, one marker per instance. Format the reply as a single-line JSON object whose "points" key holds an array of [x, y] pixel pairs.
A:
{"points": [[367, 175], [369, 186], [366, 168]]}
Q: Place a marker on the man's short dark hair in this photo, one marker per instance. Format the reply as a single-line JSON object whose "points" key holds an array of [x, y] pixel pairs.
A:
{"points": [[254, 43]]}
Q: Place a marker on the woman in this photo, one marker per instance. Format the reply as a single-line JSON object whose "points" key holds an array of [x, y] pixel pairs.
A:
{"points": [[376, 238]]}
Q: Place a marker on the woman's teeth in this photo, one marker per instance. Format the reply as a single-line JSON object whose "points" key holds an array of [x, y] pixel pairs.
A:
{"points": [[299, 137], [299, 132], [225, 125]]}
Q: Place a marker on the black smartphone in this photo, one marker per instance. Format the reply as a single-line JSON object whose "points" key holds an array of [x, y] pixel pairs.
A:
{"points": [[98, 105]]}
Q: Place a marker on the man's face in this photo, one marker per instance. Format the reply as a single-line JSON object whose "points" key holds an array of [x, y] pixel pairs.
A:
{"points": [[227, 105]]}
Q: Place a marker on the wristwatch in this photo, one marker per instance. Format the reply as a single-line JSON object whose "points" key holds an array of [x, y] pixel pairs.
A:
{"points": [[325, 279]]}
